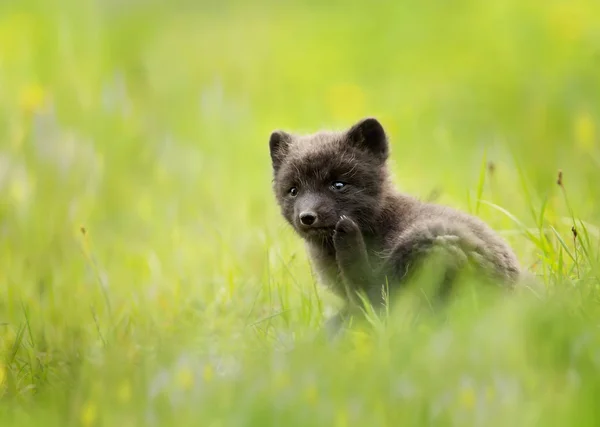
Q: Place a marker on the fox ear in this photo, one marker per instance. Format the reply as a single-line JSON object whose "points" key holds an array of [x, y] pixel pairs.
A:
{"points": [[278, 145], [369, 135]]}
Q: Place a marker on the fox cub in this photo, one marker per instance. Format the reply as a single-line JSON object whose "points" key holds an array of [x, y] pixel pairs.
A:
{"points": [[362, 234]]}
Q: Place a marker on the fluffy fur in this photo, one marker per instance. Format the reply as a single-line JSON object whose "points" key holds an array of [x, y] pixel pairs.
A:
{"points": [[334, 189]]}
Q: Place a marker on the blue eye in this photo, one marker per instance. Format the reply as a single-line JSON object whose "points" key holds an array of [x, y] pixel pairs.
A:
{"points": [[338, 185], [293, 191]]}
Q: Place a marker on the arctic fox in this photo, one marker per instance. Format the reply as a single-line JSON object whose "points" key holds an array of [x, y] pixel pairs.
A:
{"points": [[361, 233]]}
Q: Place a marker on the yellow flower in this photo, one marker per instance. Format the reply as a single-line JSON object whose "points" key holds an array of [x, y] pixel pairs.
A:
{"points": [[585, 131], [89, 413], [311, 394], [2, 374], [21, 189], [467, 397], [163, 302], [341, 418], [185, 378], [124, 392], [362, 344], [208, 373], [31, 98], [8, 338]]}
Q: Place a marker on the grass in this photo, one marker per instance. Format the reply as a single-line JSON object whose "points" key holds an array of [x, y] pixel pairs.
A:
{"points": [[147, 277]]}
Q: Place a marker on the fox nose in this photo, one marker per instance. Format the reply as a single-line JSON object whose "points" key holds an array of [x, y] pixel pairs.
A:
{"points": [[308, 218]]}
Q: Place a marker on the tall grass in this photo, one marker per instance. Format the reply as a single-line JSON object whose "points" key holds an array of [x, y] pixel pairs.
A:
{"points": [[147, 277]]}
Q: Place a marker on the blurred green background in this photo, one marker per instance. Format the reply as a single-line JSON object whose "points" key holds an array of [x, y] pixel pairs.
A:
{"points": [[146, 277]]}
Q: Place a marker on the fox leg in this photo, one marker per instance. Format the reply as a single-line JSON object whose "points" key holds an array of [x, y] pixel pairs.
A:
{"points": [[352, 259]]}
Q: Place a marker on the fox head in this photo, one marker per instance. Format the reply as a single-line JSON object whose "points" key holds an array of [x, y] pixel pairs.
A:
{"points": [[320, 177]]}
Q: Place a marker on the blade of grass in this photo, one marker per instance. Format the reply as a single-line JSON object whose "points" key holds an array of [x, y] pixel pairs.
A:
{"points": [[481, 181]]}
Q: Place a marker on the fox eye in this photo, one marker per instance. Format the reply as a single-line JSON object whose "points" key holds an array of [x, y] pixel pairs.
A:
{"points": [[293, 191], [338, 185]]}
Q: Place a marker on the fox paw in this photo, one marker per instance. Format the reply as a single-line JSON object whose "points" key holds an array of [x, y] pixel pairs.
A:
{"points": [[346, 233], [346, 226]]}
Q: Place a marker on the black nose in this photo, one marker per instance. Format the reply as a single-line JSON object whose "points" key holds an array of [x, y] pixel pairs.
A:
{"points": [[308, 218]]}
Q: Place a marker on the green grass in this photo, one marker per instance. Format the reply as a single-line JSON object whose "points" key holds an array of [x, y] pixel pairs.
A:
{"points": [[147, 278]]}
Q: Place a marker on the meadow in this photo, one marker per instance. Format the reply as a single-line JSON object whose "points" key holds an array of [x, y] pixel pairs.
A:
{"points": [[148, 279]]}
